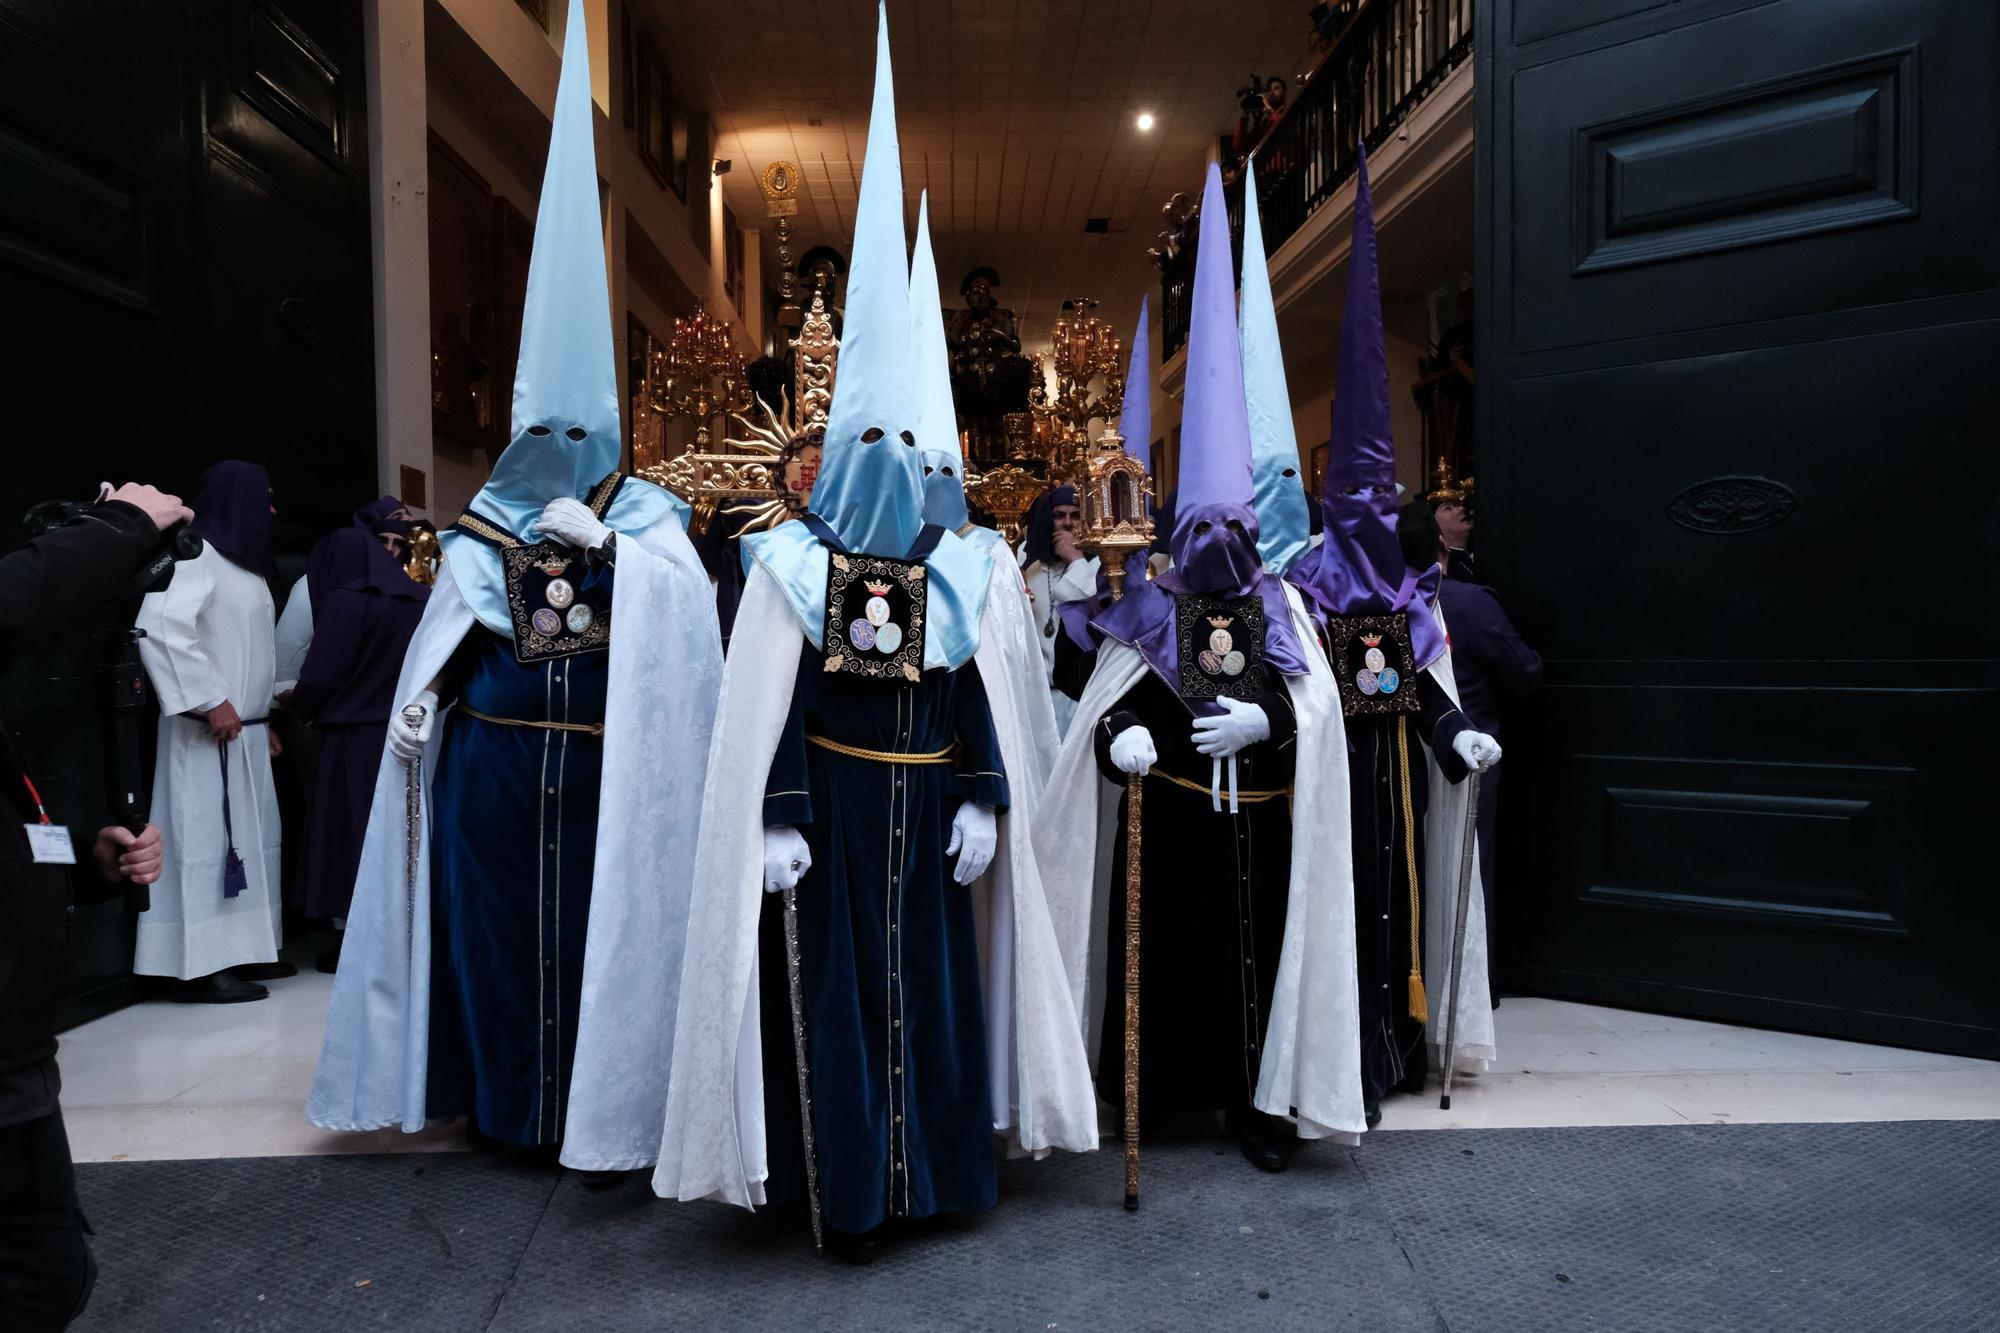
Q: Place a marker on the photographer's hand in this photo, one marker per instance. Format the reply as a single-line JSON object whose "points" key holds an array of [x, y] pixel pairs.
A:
{"points": [[122, 855], [224, 722], [165, 510]]}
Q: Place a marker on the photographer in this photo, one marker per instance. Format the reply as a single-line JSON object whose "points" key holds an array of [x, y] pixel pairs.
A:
{"points": [[45, 1264]]}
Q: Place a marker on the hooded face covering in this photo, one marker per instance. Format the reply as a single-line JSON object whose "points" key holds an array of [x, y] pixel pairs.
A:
{"points": [[1283, 510], [937, 418], [1214, 541], [1358, 569], [870, 489], [566, 436], [232, 513]]}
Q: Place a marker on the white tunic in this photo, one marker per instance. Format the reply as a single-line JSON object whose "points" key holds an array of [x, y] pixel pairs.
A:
{"points": [[1051, 586], [209, 638]]}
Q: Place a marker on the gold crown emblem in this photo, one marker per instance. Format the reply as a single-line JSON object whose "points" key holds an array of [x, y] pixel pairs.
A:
{"points": [[878, 589], [1222, 622], [1371, 640]]}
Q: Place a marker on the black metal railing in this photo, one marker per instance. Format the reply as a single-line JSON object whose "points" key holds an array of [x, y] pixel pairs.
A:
{"points": [[1385, 62]]}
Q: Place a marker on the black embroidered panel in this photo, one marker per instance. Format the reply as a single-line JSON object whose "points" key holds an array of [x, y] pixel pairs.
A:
{"points": [[1221, 646], [1373, 663], [875, 616], [552, 615]]}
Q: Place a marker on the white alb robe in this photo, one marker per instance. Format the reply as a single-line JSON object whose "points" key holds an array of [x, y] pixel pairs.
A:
{"points": [[209, 639], [1050, 587]]}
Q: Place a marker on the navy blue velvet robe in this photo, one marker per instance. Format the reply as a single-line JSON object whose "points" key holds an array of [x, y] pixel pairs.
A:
{"points": [[896, 1029], [514, 840]]}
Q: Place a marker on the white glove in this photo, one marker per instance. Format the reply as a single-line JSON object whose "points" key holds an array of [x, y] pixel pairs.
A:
{"points": [[1239, 726], [974, 835], [786, 858], [570, 521], [1479, 750], [1132, 750], [407, 741]]}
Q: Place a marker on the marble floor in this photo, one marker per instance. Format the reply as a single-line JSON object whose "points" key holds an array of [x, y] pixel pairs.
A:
{"points": [[162, 1081]]}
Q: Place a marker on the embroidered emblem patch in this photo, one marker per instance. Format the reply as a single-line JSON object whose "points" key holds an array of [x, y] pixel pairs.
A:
{"points": [[875, 616], [1221, 644], [551, 617], [1371, 660]]}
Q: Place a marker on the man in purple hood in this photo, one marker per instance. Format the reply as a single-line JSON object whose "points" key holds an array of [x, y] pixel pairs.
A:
{"points": [[1205, 685], [1391, 660]]}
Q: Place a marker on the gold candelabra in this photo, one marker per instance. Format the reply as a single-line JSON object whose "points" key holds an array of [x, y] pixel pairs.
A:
{"points": [[698, 373]]}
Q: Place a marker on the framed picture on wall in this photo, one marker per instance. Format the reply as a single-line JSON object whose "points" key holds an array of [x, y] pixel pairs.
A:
{"points": [[1316, 469], [732, 251], [463, 406], [662, 121]]}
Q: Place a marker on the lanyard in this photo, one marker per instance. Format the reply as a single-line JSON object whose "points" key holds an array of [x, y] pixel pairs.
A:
{"points": [[35, 796]]}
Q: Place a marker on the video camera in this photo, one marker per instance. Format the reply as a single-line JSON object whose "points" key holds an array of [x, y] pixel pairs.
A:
{"points": [[176, 543], [1251, 96]]}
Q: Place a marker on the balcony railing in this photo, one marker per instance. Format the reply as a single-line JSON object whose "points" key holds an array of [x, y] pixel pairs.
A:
{"points": [[1386, 61]]}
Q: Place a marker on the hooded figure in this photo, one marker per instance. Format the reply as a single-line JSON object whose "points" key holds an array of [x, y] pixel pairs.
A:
{"points": [[1206, 685], [860, 760], [1389, 655], [365, 608], [1055, 579], [1284, 512], [208, 651], [944, 505], [521, 965]]}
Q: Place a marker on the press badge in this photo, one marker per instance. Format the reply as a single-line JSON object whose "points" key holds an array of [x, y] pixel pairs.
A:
{"points": [[50, 845]]}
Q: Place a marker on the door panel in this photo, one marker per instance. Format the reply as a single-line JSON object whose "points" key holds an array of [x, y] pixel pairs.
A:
{"points": [[1737, 285]]}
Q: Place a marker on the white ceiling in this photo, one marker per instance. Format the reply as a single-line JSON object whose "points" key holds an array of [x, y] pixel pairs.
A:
{"points": [[1017, 115]]}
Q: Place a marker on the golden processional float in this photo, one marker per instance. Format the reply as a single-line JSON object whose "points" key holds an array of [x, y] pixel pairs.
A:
{"points": [[764, 471]]}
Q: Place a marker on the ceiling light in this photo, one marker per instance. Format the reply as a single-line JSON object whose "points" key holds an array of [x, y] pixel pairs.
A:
{"points": [[1145, 120]]}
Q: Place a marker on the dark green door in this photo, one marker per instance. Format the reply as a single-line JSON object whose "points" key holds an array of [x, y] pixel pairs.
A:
{"points": [[1737, 324]]}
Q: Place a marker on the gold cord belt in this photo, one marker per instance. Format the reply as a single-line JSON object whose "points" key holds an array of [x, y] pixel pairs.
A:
{"points": [[943, 756], [1419, 1002], [1244, 797], [583, 728]]}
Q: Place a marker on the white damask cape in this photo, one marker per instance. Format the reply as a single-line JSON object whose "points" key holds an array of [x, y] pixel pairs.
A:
{"points": [[1311, 1067], [712, 1144], [665, 672]]}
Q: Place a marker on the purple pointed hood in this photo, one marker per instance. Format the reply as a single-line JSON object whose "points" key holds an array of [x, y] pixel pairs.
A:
{"points": [[1358, 568], [232, 513], [1214, 542]]}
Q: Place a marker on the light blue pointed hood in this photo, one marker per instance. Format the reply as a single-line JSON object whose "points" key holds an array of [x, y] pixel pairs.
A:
{"points": [[870, 491], [1135, 418], [937, 418], [565, 438], [1284, 514]]}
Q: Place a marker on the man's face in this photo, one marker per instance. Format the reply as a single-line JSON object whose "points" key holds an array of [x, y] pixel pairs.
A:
{"points": [[1065, 517], [391, 543], [1454, 525], [979, 296]]}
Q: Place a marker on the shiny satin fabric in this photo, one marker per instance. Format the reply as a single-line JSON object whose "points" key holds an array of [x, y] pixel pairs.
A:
{"points": [[1358, 568]]}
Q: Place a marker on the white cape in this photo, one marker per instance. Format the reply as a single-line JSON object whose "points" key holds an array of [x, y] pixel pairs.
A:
{"points": [[1444, 833], [1311, 1065], [665, 670], [1012, 615], [712, 1142]]}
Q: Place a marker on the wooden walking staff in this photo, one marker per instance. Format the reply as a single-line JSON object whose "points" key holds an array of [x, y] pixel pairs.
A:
{"points": [[1113, 489]]}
